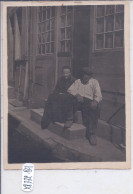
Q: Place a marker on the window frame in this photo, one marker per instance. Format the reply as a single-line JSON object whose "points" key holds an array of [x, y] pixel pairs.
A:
{"points": [[104, 49], [46, 31], [65, 27]]}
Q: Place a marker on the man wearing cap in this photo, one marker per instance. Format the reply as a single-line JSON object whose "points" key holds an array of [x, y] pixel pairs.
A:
{"points": [[88, 94], [59, 105]]}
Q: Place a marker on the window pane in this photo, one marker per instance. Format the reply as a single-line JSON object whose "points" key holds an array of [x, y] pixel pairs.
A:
{"points": [[48, 13], [40, 14], [62, 46], [109, 23], [100, 25], [40, 9], [48, 36], [119, 21], [68, 33], [109, 9], [52, 35], [48, 48], [109, 40], [52, 23], [43, 49], [62, 33], [52, 47], [43, 27], [68, 46], [39, 49], [44, 14], [119, 39], [63, 18], [43, 38], [48, 25], [63, 10], [39, 28], [53, 12], [119, 8], [39, 38], [69, 19], [99, 41], [100, 10]]}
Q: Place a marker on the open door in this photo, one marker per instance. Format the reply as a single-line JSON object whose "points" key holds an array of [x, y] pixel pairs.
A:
{"points": [[81, 38]]}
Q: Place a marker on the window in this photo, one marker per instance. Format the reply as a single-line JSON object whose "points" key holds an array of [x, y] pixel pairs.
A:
{"points": [[46, 27], [66, 29], [109, 27]]}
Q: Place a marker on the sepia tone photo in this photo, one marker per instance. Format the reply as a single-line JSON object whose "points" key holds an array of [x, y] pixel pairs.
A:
{"points": [[67, 86]]}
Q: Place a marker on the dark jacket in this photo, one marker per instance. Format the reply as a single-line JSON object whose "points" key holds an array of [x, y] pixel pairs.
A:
{"points": [[63, 84]]}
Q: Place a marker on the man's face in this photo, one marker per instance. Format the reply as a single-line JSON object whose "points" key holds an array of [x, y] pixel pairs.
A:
{"points": [[85, 79], [66, 73]]}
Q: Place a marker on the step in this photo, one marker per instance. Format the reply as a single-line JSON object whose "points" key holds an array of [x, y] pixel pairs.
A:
{"points": [[109, 132], [76, 131], [16, 103], [11, 92], [36, 115]]}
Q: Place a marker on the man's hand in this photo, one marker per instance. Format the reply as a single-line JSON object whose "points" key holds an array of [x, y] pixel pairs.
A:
{"points": [[79, 98], [94, 104]]}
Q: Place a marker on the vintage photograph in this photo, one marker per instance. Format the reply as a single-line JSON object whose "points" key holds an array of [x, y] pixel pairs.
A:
{"points": [[66, 84]]}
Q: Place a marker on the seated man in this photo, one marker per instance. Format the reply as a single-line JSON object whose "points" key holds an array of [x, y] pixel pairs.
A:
{"points": [[88, 94], [59, 104]]}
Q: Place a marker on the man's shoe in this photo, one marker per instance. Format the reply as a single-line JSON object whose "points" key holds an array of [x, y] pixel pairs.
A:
{"points": [[68, 124], [92, 139]]}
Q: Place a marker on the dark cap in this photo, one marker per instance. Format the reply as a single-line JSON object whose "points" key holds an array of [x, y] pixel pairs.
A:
{"points": [[86, 71]]}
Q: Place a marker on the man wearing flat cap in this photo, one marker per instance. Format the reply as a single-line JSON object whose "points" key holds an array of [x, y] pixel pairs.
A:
{"points": [[88, 94]]}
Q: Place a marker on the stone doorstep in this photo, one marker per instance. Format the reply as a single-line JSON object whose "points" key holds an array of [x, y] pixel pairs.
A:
{"points": [[36, 115], [110, 133], [76, 131]]}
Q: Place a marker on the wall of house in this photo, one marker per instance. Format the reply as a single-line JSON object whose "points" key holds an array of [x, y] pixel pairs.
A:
{"points": [[108, 68]]}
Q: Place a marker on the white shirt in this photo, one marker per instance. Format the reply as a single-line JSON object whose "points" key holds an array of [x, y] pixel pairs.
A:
{"points": [[89, 90]]}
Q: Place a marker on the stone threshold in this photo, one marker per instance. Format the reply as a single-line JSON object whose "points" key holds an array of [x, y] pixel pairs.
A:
{"points": [[109, 132]]}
